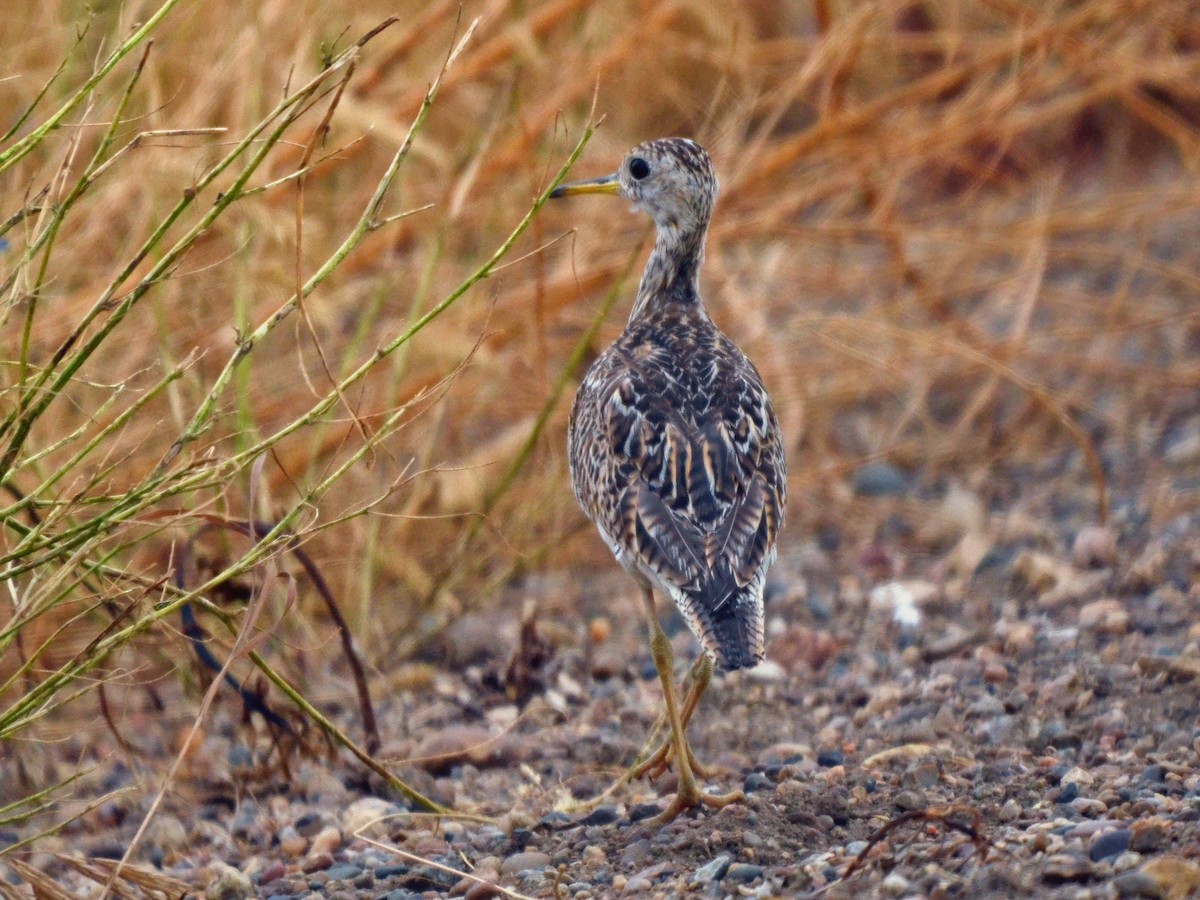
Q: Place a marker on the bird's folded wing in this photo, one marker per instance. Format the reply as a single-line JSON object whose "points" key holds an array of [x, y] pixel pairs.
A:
{"points": [[702, 499]]}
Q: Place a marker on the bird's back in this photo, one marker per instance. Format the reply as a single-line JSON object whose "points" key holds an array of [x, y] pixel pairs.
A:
{"points": [[676, 456]]}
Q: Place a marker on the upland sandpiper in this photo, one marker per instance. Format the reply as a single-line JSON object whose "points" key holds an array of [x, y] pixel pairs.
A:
{"points": [[675, 450]]}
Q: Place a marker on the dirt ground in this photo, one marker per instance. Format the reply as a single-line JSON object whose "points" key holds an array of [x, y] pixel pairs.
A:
{"points": [[991, 695]]}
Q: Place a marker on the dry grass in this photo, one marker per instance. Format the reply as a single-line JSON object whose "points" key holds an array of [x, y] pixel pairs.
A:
{"points": [[954, 235]]}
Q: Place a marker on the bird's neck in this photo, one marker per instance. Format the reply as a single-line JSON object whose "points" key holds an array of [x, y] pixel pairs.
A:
{"points": [[671, 282]]}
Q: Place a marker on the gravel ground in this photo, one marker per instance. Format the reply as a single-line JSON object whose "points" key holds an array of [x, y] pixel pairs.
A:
{"points": [[981, 694]]}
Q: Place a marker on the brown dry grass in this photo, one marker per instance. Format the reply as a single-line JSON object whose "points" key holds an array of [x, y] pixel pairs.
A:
{"points": [[953, 235]]}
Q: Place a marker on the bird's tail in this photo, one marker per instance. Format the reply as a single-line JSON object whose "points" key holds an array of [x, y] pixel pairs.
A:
{"points": [[728, 621]]}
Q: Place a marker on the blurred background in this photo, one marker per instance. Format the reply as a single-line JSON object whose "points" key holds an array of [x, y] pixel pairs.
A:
{"points": [[959, 240]]}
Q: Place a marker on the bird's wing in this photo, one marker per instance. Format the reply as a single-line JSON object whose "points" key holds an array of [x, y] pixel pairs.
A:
{"points": [[702, 482]]}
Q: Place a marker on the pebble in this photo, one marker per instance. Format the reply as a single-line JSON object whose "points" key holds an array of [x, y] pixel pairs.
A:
{"points": [[895, 885], [1109, 843], [327, 840], [1174, 876], [316, 862], [1148, 835], [601, 815], [879, 479], [525, 860], [714, 870], [369, 816], [744, 873], [309, 824], [228, 883], [827, 759], [1095, 546], [291, 843], [757, 781], [343, 872]]}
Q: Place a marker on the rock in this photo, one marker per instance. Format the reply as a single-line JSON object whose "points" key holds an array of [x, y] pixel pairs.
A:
{"points": [[369, 816], [879, 479], [309, 824], [827, 759], [227, 883], [290, 843], [714, 870], [1063, 867], [1136, 884], [1010, 811], [344, 872], [1109, 843], [744, 873], [895, 885], [594, 856], [1175, 877], [443, 749], [527, 859], [601, 815], [166, 834], [478, 891], [1148, 835], [757, 781], [326, 841], [1107, 616], [1077, 775], [316, 862], [1094, 547]]}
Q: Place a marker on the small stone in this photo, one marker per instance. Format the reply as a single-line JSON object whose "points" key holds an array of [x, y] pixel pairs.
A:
{"points": [[1067, 792], [757, 781], [316, 862], [909, 800], [309, 824], [594, 856], [343, 872], [827, 759], [166, 834], [1109, 843], [520, 862], [227, 883], [895, 885], [327, 840], [1107, 616], [1136, 884], [291, 843], [1010, 811], [714, 870], [1077, 776], [640, 811], [478, 891], [1148, 835], [1174, 876], [879, 479], [1064, 867], [638, 886], [601, 815], [1094, 547], [273, 872], [744, 873], [369, 816]]}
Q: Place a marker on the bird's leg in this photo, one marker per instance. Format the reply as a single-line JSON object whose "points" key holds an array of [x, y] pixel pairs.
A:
{"points": [[688, 794], [658, 761]]}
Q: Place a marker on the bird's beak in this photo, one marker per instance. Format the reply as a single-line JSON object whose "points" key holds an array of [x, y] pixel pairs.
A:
{"points": [[609, 184]]}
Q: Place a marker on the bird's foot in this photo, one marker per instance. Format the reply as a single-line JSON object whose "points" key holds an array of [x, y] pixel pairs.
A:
{"points": [[654, 765], [687, 799]]}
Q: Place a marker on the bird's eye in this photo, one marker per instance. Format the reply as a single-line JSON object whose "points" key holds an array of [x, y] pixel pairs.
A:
{"points": [[638, 168]]}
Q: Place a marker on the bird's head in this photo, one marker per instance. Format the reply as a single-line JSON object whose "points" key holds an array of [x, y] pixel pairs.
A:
{"points": [[671, 180]]}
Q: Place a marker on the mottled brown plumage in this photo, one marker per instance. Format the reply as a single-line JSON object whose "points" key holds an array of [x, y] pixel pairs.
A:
{"points": [[675, 450]]}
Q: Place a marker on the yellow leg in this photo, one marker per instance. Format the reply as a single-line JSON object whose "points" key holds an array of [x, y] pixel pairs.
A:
{"points": [[658, 761], [688, 795]]}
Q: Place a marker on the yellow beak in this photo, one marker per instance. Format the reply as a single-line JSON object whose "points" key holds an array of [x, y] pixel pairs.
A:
{"points": [[609, 184]]}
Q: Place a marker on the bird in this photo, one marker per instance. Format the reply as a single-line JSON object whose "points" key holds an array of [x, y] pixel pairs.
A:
{"points": [[676, 453]]}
